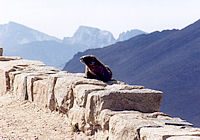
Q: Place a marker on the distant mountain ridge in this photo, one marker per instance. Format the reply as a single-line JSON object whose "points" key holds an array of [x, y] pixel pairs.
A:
{"points": [[89, 36], [14, 33], [167, 61], [20, 40], [129, 34]]}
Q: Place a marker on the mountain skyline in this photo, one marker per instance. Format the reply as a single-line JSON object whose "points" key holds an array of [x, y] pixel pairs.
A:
{"points": [[131, 32], [20, 40], [62, 17]]}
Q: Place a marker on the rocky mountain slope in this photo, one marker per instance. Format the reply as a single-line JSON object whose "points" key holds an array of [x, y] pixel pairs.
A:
{"points": [[167, 61]]}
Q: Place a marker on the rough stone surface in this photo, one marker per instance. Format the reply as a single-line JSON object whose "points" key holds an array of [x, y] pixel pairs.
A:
{"points": [[184, 138], [10, 64], [111, 110], [5, 58], [81, 92], [127, 126], [77, 117], [165, 132]]}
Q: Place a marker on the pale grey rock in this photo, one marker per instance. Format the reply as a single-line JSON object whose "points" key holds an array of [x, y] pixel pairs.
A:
{"points": [[127, 126], [76, 116], [63, 94], [165, 132], [64, 89], [144, 100], [101, 135], [120, 86], [11, 64], [104, 117], [113, 110], [81, 92], [184, 138], [40, 93]]}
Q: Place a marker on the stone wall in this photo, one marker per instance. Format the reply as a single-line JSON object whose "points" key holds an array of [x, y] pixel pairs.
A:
{"points": [[113, 110]]}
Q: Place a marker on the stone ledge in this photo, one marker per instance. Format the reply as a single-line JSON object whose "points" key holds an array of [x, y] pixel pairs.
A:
{"points": [[110, 109]]}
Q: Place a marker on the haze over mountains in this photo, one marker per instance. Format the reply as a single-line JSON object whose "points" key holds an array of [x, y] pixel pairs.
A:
{"points": [[167, 61], [19, 40]]}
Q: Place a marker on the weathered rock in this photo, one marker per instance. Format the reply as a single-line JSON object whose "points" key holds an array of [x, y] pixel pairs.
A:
{"points": [[11, 77], [184, 138], [165, 132], [20, 85], [12, 64], [3, 82], [1, 51], [65, 86], [40, 91], [42, 69], [63, 94], [123, 87], [127, 126], [6, 58], [76, 116], [144, 100], [81, 92], [101, 135], [104, 118], [52, 104], [108, 110]]}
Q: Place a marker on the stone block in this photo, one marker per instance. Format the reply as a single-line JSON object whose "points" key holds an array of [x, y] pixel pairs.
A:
{"points": [[76, 116], [127, 126], [81, 92], [163, 133], [184, 138], [40, 91], [65, 86], [144, 100], [12, 64]]}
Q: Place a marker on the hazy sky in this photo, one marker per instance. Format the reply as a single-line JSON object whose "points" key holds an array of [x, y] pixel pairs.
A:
{"points": [[62, 17]]}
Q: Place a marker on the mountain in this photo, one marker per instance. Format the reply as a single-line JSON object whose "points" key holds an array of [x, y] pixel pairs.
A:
{"points": [[168, 61], [90, 37], [20, 40], [13, 34], [129, 34]]}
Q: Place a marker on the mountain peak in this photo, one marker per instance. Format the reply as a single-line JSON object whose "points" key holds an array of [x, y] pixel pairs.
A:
{"points": [[12, 22], [129, 34], [13, 33], [83, 27], [90, 36]]}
